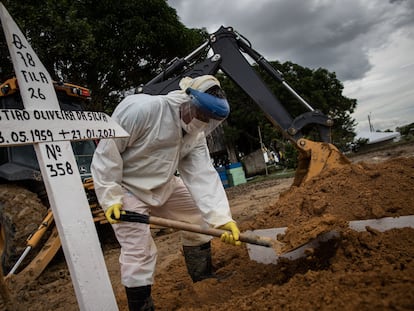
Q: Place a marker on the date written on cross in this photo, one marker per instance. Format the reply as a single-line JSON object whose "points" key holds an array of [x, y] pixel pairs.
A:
{"points": [[20, 127]]}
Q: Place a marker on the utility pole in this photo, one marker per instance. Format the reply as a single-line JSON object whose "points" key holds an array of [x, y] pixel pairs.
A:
{"points": [[371, 127], [263, 147]]}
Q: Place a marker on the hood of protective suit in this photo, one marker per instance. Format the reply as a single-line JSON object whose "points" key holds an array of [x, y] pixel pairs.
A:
{"points": [[202, 83]]}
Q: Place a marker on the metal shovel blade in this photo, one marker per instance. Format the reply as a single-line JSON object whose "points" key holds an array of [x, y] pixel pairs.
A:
{"points": [[272, 255]]}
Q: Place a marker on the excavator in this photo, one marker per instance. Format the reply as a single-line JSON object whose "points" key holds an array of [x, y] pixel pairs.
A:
{"points": [[228, 47]]}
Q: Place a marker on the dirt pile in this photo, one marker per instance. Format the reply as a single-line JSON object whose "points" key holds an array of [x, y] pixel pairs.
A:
{"points": [[367, 270], [360, 271], [355, 192]]}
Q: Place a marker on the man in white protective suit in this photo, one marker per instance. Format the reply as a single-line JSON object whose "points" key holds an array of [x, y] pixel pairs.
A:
{"points": [[137, 173]]}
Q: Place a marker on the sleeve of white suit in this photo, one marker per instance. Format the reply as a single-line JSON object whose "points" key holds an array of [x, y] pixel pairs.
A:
{"points": [[204, 184], [107, 163], [106, 171]]}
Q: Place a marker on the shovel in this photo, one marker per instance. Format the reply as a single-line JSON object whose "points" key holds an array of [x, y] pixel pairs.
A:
{"points": [[272, 256], [249, 237], [262, 245]]}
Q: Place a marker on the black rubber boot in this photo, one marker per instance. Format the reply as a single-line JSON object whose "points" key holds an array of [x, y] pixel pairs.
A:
{"points": [[198, 261], [139, 298]]}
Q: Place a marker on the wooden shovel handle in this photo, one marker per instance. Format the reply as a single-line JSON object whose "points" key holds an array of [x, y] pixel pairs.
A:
{"points": [[247, 238]]}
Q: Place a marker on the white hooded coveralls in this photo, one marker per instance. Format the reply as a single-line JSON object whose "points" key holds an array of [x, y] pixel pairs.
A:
{"points": [[138, 171]]}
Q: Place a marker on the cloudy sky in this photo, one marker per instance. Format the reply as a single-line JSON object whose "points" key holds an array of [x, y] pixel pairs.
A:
{"points": [[369, 44]]}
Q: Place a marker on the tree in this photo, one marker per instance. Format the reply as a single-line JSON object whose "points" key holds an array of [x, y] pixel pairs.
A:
{"points": [[108, 46], [405, 130], [320, 88]]}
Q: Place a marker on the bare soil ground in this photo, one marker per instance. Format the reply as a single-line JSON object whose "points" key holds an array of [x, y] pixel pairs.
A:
{"points": [[368, 270]]}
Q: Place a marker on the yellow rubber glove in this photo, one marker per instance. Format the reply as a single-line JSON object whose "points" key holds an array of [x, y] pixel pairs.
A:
{"points": [[231, 237], [113, 210]]}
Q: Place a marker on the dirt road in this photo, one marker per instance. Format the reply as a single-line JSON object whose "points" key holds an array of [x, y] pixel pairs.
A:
{"points": [[360, 271]]}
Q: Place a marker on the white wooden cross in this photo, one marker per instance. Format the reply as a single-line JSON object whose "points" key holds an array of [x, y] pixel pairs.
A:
{"points": [[51, 130]]}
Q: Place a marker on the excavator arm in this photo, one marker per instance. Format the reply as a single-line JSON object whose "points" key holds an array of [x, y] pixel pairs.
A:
{"points": [[228, 49]]}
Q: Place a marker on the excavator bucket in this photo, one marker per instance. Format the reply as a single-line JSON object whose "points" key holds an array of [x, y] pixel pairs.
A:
{"points": [[315, 157]]}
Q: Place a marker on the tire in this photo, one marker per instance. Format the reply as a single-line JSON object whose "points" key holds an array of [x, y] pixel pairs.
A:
{"points": [[21, 213]]}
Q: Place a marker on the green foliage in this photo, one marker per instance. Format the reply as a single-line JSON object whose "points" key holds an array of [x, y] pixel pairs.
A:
{"points": [[320, 88], [408, 138], [406, 129], [107, 46], [356, 145], [291, 156]]}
